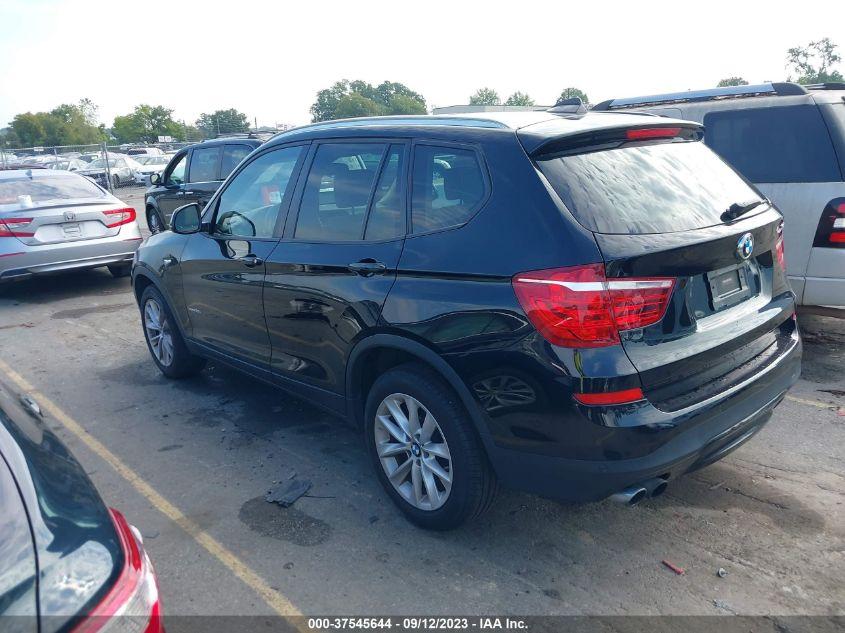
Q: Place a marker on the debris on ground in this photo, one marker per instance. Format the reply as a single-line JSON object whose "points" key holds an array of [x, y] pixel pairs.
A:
{"points": [[722, 573], [721, 604], [674, 568], [287, 493]]}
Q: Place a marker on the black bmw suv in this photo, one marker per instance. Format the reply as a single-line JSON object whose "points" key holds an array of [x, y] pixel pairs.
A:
{"points": [[580, 306]]}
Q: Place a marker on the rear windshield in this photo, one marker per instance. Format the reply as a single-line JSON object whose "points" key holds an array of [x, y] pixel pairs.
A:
{"points": [[774, 144], [24, 193], [654, 188]]}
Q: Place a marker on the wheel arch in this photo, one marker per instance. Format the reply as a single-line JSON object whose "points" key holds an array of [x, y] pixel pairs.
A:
{"points": [[375, 354]]}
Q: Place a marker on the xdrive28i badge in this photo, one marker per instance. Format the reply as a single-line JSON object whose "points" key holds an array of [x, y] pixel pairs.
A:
{"points": [[745, 246]]}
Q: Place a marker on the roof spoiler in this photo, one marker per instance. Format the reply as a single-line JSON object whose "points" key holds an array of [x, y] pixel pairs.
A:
{"points": [[710, 94]]}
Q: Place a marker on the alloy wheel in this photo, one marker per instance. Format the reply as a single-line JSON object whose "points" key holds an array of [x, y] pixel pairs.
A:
{"points": [[413, 451], [159, 333]]}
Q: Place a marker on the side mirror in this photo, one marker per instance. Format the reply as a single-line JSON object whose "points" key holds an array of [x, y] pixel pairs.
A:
{"points": [[155, 178], [186, 219]]}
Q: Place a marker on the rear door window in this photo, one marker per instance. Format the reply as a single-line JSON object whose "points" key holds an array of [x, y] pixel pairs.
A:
{"points": [[448, 187], [653, 188], [204, 162], [232, 155], [387, 211], [338, 191], [777, 144]]}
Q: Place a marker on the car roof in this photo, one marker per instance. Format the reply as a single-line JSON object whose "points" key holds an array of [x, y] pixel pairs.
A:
{"points": [[34, 171], [228, 140], [824, 93], [537, 126]]}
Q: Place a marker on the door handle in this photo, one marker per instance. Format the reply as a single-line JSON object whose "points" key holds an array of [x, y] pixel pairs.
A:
{"points": [[251, 261], [169, 260], [367, 267], [188, 193]]}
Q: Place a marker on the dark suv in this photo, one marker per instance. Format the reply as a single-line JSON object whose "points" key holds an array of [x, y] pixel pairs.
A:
{"points": [[578, 306], [193, 175]]}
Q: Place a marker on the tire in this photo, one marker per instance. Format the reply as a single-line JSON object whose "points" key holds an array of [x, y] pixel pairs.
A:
{"points": [[115, 181], [119, 271], [473, 483], [154, 222], [179, 362]]}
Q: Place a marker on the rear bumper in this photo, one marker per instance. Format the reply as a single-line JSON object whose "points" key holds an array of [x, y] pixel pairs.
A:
{"points": [[708, 436], [24, 261]]}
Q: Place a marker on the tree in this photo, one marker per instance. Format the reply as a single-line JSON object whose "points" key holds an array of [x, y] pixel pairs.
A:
{"points": [[732, 81], [404, 104], [813, 62], [357, 105], [66, 124], [222, 122], [345, 99], [145, 124], [519, 99], [485, 96], [572, 93]]}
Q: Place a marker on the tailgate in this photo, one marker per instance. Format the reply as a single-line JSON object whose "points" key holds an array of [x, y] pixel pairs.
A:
{"points": [[727, 318], [693, 256]]}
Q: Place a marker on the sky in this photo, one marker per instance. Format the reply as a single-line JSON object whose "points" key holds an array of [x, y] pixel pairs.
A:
{"points": [[269, 58]]}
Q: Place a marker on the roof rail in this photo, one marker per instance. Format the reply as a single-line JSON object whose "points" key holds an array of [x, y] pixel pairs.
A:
{"points": [[828, 85], [709, 94]]}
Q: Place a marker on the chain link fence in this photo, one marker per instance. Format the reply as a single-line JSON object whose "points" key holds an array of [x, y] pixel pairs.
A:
{"points": [[110, 166]]}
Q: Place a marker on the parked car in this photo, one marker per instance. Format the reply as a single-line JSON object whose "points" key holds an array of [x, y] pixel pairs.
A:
{"points": [[56, 220], [789, 140], [576, 306], [149, 165], [144, 151], [90, 157], [121, 170], [66, 164], [193, 175], [68, 562]]}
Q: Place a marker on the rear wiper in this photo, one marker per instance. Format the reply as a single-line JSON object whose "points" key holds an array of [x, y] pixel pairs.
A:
{"points": [[737, 209]]}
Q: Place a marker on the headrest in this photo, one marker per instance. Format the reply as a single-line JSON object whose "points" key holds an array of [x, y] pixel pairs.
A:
{"points": [[352, 187]]}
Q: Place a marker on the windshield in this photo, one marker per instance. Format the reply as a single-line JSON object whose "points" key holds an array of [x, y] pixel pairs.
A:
{"points": [[101, 163], [151, 160], [654, 188], [25, 192]]}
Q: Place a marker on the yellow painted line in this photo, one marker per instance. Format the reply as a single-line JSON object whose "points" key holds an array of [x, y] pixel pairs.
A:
{"points": [[273, 598], [812, 403]]}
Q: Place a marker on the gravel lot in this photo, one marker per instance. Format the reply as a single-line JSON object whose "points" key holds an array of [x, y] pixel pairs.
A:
{"points": [[771, 514]]}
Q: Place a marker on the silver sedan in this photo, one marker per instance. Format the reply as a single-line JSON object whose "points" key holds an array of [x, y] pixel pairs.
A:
{"points": [[53, 221]]}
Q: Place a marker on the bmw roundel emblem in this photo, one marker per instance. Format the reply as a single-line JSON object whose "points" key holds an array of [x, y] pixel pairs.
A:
{"points": [[745, 246]]}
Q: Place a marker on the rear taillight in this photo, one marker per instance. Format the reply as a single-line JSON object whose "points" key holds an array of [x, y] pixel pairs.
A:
{"points": [[118, 217], [831, 229], [132, 604], [779, 249], [15, 227], [579, 307]]}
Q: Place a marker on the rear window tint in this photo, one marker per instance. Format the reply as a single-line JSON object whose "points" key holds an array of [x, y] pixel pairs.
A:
{"points": [[204, 164], [448, 187], [232, 156], [24, 193], [780, 144], [654, 188]]}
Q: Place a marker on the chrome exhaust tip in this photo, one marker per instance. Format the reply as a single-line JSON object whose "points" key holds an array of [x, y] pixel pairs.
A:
{"points": [[630, 496], [655, 487]]}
